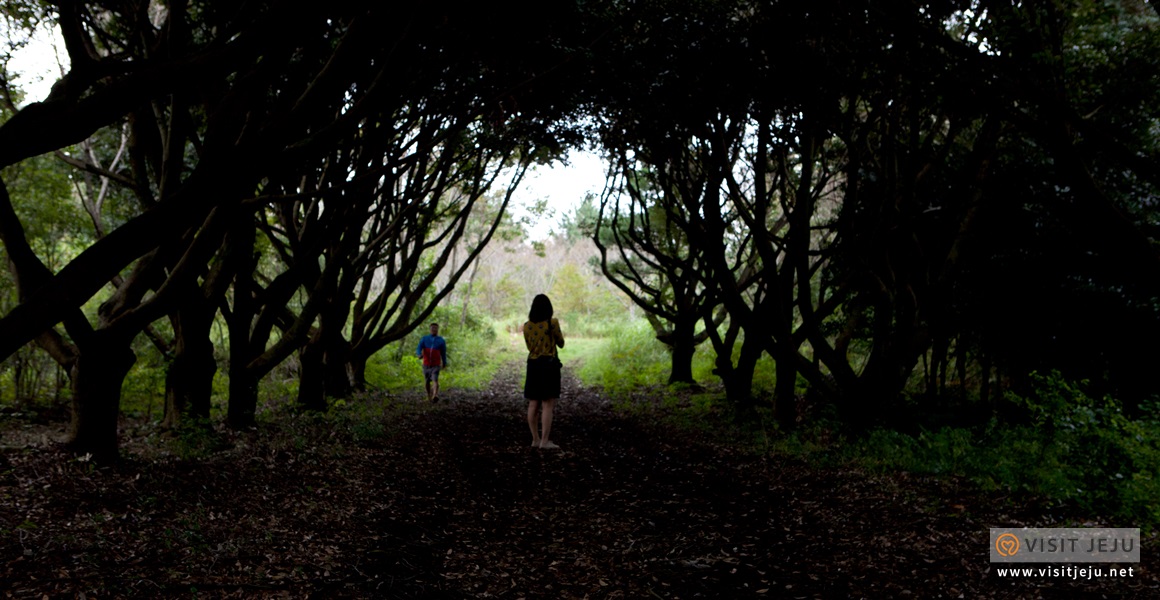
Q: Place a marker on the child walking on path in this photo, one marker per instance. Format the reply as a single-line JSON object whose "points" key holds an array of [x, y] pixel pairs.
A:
{"points": [[542, 336], [433, 351]]}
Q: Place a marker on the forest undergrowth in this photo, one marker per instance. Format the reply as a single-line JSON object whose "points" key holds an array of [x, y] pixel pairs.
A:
{"points": [[391, 497]]}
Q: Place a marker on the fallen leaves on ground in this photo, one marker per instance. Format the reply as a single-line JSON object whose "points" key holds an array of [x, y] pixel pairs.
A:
{"points": [[449, 501]]}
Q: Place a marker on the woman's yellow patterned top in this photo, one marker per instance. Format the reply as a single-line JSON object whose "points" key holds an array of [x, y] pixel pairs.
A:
{"points": [[542, 338]]}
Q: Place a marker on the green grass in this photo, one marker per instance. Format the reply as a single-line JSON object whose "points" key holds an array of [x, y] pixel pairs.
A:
{"points": [[578, 352], [632, 359]]}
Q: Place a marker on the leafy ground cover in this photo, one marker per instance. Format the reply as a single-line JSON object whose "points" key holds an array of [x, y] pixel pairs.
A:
{"points": [[390, 497]]}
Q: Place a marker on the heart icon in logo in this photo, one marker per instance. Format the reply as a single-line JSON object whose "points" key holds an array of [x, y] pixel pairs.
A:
{"points": [[1007, 544]]}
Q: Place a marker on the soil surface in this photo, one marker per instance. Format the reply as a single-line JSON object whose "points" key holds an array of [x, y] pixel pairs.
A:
{"points": [[412, 500]]}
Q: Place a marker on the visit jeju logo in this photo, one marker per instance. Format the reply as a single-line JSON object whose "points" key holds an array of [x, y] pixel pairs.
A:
{"points": [[1065, 545]]}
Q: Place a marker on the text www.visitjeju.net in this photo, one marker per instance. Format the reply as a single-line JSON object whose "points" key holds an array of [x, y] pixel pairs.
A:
{"points": [[1069, 572]]}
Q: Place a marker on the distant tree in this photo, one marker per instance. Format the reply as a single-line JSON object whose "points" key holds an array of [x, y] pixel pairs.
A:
{"points": [[580, 222], [401, 288], [647, 252], [508, 231]]}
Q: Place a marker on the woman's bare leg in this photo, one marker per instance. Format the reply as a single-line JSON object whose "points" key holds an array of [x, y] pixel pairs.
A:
{"points": [[546, 423], [532, 424]]}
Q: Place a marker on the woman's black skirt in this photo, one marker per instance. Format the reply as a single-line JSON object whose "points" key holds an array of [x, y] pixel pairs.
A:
{"points": [[543, 381]]}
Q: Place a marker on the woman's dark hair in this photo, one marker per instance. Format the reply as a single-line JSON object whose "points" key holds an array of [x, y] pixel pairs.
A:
{"points": [[541, 309]]}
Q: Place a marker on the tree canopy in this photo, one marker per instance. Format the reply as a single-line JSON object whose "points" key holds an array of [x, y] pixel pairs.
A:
{"points": [[851, 189]]}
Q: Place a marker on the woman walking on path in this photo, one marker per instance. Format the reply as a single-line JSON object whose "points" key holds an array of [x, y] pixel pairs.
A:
{"points": [[542, 387]]}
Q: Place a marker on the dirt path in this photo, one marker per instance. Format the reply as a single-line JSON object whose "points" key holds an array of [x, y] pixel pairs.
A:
{"points": [[448, 501]]}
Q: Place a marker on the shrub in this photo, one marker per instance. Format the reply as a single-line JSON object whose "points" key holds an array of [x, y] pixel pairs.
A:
{"points": [[1078, 449], [1111, 460]]}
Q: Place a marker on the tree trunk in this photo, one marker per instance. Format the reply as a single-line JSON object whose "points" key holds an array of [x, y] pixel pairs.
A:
{"points": [[243, 400], [785, 392], [739, 384], [937, 371], [880, 385], [985, 381], [358, 371], [683, 347], [326, 360], [189, 388], [243, 404], [682, 363], [467, 293], [336, 362], [189, 380], [97, 377], [961, 368], [312, 378]]}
